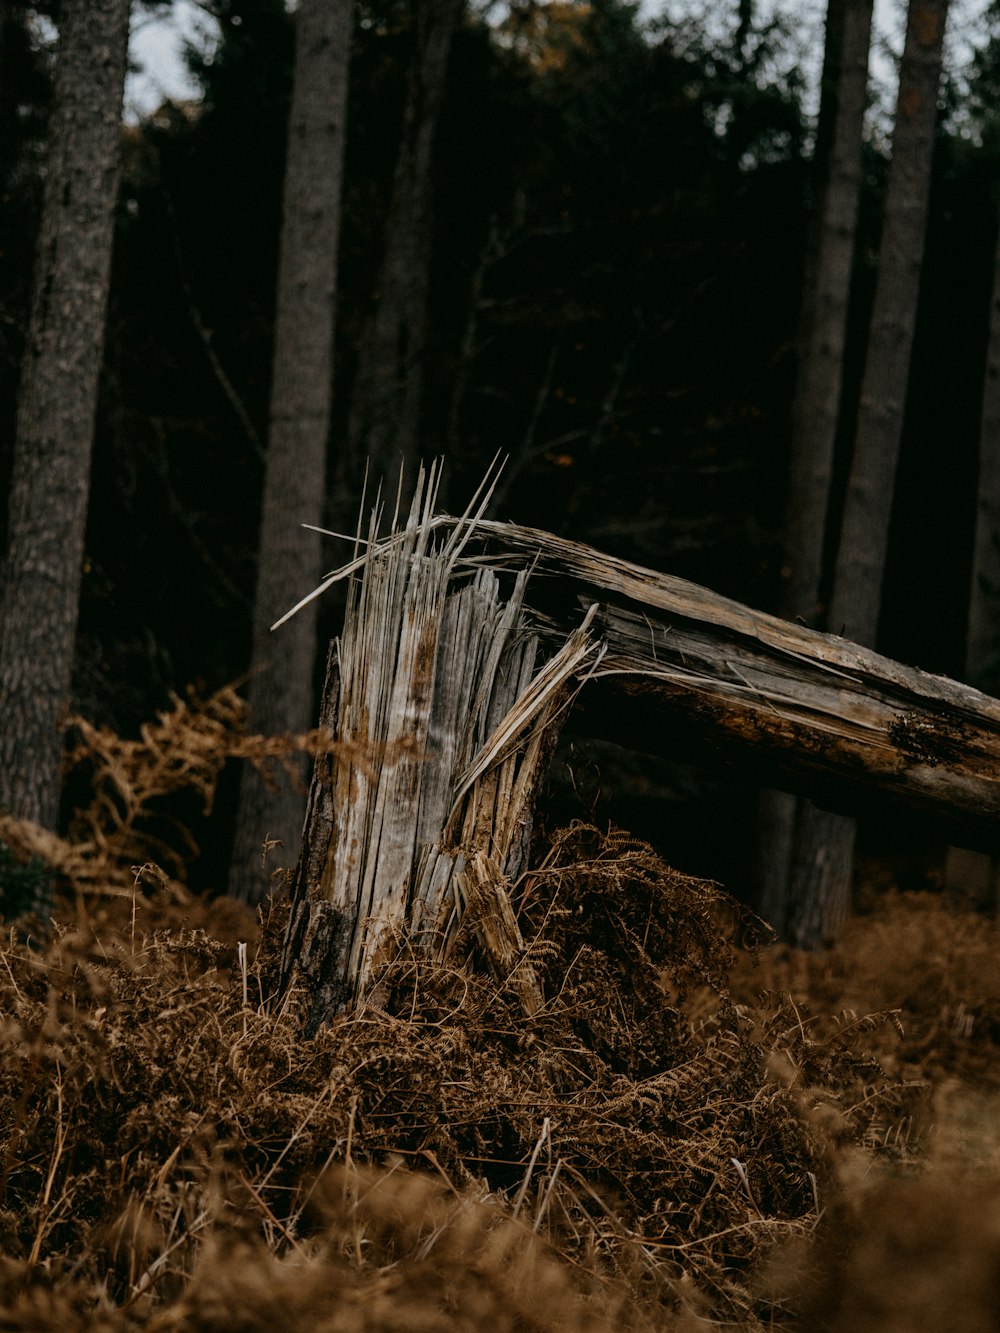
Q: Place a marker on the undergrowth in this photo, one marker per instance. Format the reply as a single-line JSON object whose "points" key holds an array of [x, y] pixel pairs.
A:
{"points": [[931, 961], [644, 1143], [123, 829], [681, 1138]]}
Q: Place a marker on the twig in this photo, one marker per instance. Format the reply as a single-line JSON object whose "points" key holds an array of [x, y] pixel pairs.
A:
{"points": [[57, 1152], [546, 1135]]}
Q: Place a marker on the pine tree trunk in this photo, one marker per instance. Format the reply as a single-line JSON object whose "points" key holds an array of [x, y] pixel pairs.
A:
{"points": [[384, 427], [822, 869], [40, 586], [982, 646], [817, 400], [824, 858], [864, 537], [777, 812], [975, 876], [281, 688]]}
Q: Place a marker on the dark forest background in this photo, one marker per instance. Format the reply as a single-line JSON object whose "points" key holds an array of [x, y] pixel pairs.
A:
{"points": [[621, 218]]}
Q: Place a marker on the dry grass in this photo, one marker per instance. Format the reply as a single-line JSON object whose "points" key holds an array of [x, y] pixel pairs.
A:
{"points": [[675, 1140], [934, 964], [122, 832], [911, 1241], [180, 1157]]}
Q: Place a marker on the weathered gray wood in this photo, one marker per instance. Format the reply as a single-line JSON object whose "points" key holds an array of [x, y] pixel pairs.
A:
{"points": [[444, 720], [426, 802], [486, 903], [832, 715]]}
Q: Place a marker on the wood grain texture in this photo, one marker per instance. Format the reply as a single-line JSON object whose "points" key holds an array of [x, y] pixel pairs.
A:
{"points": [[784, 697]]}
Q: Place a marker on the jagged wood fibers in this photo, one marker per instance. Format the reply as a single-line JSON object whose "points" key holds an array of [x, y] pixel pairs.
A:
{"points": [[425, 802], [833, 717], [444, 723]]}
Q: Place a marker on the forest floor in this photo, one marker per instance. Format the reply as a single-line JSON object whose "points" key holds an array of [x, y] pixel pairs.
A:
{"points": [[698, 1129]]}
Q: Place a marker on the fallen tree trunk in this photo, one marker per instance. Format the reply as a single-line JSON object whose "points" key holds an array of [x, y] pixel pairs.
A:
{"points": [[441, 719], [833, 717]]}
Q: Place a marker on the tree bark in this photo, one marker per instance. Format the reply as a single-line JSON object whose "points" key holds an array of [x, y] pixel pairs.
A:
{"points": [[982, 646], [968, 874], [281, 688], [384, 424], [864, 535], [40, 587], [684, 665], [817, 399]]}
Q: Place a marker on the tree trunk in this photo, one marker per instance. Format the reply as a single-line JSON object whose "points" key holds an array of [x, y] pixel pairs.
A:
{"points": [[970, 875], [982, 646], [384, 426], [685, 667], [817, 400], [864, 536], [281, 688], [822, 326], [744, 27], [40, 586]]}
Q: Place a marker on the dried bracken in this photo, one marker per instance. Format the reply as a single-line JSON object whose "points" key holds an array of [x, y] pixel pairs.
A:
{"points": [[673, 1137], [628, 1156], [123, 827], [918, 954]]}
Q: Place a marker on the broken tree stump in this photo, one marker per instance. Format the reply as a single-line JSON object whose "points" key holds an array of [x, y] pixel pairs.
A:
{"points": [[463, 645], [439, 715]]}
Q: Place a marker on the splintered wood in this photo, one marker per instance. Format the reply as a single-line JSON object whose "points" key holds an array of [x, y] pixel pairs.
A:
{"points": [[463, 645], [441, 722], [813, 712]]}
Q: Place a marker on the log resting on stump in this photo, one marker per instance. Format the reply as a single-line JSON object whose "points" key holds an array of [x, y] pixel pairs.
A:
{"points": [[464, 643], [684, 667]]}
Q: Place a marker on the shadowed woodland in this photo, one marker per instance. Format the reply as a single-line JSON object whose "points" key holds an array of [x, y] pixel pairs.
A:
{"points": [[717, 287]]}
